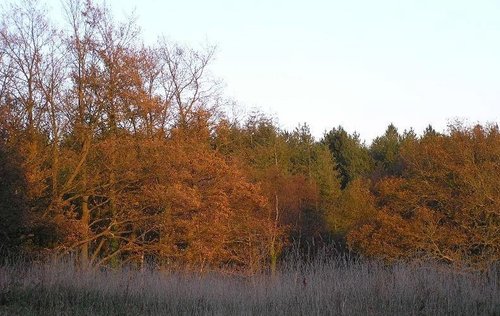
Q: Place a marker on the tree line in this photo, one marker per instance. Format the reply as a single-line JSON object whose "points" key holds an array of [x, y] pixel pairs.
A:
{"points": [[121, 153]]}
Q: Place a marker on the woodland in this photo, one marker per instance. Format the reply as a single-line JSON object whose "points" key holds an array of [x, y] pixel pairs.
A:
{"points": [[125, 154]]}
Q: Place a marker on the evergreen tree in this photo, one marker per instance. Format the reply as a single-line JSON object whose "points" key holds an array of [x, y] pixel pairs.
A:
{"points": [[385, 152], [350, 154]]}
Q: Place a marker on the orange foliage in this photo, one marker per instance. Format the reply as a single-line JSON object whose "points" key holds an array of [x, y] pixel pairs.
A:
{"points": [[446, 205]]}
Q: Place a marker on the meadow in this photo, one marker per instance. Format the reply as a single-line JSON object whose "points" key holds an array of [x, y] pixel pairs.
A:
{"points": [[339, 286]]}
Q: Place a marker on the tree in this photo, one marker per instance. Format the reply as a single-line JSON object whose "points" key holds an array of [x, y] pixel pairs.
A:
{"points": [[296, 173], [351, 156], [33, 79], [13, 204], [354, 207], [385, 153], [445, 205], [317, 186], [430, 131], [186, 81], [102, 122]]}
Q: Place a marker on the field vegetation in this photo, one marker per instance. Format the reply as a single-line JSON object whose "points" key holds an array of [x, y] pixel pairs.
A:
{"points": [[321, 287]]}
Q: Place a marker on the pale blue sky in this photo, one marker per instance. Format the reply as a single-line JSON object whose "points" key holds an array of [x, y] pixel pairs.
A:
{"points": [[361, 64]]}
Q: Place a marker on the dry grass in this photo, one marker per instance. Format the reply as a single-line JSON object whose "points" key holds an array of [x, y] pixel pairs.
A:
{"points": [[334, 287]]}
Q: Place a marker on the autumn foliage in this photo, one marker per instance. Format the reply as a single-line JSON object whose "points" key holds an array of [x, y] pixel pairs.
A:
{"points": [[444, 206], [121, 153]]}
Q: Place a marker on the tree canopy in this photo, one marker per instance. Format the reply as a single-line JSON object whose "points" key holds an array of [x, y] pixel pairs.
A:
{"points": [[122, 153]]}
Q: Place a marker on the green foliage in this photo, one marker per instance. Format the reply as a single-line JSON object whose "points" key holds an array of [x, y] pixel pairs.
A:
{"points": [[350, 154], [355, 206], [385, 152], [430, 131]]}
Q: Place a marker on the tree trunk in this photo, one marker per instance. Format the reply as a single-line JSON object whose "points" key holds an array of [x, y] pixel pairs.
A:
{"points": [[85, 220]]}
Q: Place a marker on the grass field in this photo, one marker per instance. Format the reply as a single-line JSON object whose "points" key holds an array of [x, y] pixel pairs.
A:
{"points": [[333, 287]]}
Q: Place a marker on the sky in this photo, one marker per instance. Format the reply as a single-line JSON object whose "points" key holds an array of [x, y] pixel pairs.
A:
{"points": [[361, 64]]}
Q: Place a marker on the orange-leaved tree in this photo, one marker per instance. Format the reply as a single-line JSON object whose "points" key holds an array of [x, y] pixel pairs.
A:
{"points": [[446, 204]]}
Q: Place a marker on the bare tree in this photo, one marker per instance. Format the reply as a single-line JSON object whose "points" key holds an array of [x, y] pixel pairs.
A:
{"points": [[25, 36], [186, 81]]}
